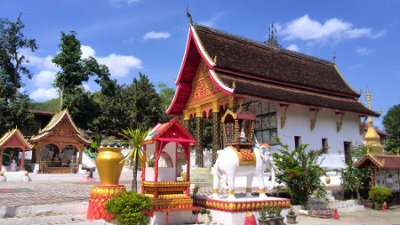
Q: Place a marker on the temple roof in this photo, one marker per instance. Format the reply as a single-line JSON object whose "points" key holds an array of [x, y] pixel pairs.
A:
{"points": [[55, 120], [243, 67], [170, 131], [14, 138], [380, 161]]}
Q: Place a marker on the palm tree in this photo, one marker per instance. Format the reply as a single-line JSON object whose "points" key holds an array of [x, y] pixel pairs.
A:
{"points": [[134, 138]]}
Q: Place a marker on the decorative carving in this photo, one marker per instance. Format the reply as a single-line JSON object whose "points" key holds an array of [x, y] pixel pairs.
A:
{"points": [[313, 120], [339, 121], [284, 114]]}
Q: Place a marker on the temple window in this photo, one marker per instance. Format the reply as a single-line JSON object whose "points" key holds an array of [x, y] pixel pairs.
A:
{"points": [[325, 144], [297, 141]]}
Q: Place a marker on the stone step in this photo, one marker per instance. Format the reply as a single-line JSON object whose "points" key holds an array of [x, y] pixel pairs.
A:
{"points": [[61, 219]]}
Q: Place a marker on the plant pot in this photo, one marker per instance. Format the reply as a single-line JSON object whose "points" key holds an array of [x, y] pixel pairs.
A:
{"points": [[109, 163], [279, 220], [269, 221], [291, 219]]}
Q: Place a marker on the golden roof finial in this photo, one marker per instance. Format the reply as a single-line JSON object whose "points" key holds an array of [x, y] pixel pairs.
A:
{"points": [[368, 98]]}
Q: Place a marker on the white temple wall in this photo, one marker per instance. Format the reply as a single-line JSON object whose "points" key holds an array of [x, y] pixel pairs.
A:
{"points": [[298, 124]]}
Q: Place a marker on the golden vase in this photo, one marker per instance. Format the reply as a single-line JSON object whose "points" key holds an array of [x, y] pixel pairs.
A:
{"points": [[109, 163]]}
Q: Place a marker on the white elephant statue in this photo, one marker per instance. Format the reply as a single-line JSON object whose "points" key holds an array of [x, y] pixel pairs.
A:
{"points": [[227, 164]]}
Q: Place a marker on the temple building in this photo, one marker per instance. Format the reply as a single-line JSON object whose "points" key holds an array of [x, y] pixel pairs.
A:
{"points": [[298, 98]]}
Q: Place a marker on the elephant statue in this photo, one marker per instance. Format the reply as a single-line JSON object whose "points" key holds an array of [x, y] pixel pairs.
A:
{"points": [[228, 164]]}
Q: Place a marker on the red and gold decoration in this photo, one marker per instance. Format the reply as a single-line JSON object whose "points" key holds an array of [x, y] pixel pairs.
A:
{"points": [[109, 163], [167, 195], [240, 205]]}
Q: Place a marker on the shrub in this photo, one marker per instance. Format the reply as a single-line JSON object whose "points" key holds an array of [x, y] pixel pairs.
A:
{"points": [[300, 170], [379, 194], [130, 208]]}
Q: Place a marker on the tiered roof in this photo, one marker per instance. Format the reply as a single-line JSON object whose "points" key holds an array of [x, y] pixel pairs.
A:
{"points": [[14, 139], [246, 68], [55, 120]]}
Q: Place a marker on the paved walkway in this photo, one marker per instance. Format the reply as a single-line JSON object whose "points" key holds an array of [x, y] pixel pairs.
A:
{"points": [[20, 194]]}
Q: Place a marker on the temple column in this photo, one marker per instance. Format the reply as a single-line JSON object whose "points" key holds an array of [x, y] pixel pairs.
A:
{"points": [[215, 138], [199, 134], [232, 104], [1, 159], [80, 155], [186, 120], [23, 160]]}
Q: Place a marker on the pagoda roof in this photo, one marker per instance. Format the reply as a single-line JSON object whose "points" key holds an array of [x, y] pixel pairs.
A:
{"points": [[172, 131], [14, 139], [55, 120], [247, 68], [380, 161]]}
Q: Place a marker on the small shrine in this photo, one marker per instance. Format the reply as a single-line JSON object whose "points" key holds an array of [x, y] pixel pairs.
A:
{"points": [[161, 179], [57, 145], [385, 168], [13, 146]]}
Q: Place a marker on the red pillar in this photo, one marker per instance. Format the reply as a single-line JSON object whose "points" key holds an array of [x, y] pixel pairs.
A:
{"points": [[157, 156], [187, 170], [1, 159], [23, 159], [144, 166]]}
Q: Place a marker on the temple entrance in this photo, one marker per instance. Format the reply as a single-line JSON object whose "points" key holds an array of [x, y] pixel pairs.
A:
{"points": [[12, 158], [54, 160]]}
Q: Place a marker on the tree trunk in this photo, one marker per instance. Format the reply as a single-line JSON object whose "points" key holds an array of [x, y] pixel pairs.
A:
{"points": [[135, 169]]}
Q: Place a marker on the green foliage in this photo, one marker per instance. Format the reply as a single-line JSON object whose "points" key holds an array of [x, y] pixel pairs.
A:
{"points": [[166, 95], [270, 212], [14, 104], [300, 170], [379, 194], [350, 180], [52, 105], [391, 122], [134, 138], [130, 208], [73, 72]]}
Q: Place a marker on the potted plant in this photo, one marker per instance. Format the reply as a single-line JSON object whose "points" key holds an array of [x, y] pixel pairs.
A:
{"points": [[291, 216], [271, 216], [378, 195]]}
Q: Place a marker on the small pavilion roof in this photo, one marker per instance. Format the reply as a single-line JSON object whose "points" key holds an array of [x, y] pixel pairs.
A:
{"points": [[247, 68], [167, 132], [14, 138], [55, 120], [380, 161]]}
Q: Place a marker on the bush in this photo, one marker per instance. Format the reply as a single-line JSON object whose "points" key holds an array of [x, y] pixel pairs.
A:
{"points": [[130, 208], [379, 194], [300, 170]]}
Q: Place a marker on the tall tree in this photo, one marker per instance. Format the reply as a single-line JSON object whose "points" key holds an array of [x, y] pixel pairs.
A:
{"points": [[166, 95], [75, 70], [13, 103], [147, 105], [391, 121]]}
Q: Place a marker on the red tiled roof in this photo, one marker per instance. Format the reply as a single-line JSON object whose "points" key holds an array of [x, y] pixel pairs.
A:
{"points": [[380, 132], [380, 161]]}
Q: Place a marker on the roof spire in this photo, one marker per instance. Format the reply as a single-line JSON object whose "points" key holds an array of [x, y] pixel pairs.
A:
{"points": [[334, 57], [368, 98], [189, 16], [272, 39]]}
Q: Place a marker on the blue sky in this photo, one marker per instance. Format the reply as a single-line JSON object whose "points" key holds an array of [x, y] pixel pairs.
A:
{"points": [[132, 36]]}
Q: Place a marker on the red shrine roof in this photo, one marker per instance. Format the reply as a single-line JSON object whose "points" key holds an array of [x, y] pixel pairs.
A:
{"points": [[14, 139], [172, 131], [54, 122], [380, 161], [250, 69]]}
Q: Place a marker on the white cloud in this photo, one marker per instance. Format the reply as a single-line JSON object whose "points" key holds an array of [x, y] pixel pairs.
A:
{"points": [[120, 65], [153, 35], [293, 47], [87, 51], [364, 50], [332, 30], [212, 22], [43, 94], [44, 79], [86, 87], [119, 3]]}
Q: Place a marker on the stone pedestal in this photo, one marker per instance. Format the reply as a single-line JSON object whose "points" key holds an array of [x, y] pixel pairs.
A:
{"points": [[98, 198]]}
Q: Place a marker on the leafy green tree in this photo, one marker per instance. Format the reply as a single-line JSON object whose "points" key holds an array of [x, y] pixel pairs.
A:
{"points": [[300, 170], [52, 105], [146, 110], [166, 95], [14, 104], [12, 40], [134, 138], [74, 71], [391, 121]]}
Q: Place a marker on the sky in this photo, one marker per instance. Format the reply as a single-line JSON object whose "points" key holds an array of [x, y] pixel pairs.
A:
{"points": [[132, 36]]}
